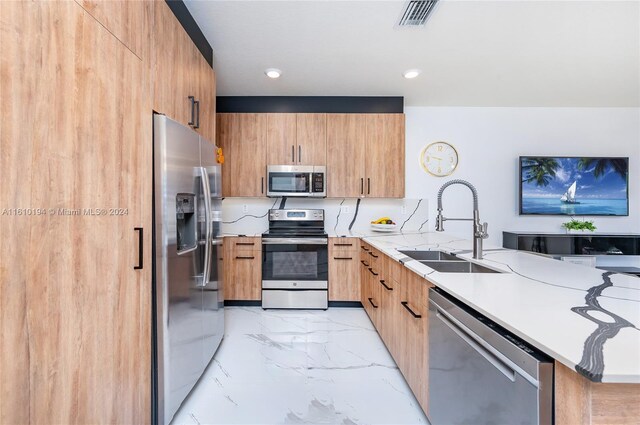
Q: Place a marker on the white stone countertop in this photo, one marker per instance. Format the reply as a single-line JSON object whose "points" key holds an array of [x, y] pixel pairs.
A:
{"points": [[585, 318]]}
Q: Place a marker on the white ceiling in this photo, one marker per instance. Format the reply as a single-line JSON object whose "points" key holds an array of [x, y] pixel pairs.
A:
{"points": [[472, 53]]}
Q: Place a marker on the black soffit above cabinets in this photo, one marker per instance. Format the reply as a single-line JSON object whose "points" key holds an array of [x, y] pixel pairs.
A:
{"points": [[311, 104], [183, 15]]}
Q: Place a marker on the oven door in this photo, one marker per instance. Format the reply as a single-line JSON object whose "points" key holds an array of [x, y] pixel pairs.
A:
{"points": [[295, 263], [288, 183]]}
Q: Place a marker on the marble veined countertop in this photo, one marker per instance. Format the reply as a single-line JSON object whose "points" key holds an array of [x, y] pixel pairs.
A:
{"points": [[585, 318]]}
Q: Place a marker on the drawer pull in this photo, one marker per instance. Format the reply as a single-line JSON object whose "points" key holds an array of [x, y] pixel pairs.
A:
{"points": [[343, 258], [364, 263], [244, 258], [245, 243], [405, 304], [364, 247], [388, 288], [372, 304], [372, 254], [342, 244], [372, 272]]}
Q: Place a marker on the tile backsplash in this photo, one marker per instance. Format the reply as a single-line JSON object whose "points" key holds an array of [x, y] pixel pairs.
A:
{"points": [[343, 217]]}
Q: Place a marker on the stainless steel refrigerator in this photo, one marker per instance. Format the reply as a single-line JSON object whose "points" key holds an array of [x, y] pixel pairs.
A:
{"points": [[187, 272]]}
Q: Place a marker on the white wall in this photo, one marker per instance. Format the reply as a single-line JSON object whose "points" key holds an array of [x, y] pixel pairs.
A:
{"points": [[489, 142]]}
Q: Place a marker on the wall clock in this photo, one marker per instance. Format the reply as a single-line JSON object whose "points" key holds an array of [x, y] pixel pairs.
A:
{"points": [[439, 159]]}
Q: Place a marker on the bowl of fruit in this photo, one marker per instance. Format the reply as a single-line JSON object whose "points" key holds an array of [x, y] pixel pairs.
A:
{"points": [[384, 224]]}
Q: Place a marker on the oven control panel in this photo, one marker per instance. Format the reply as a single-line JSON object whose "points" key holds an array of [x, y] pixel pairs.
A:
{"points": [[296, 215]]}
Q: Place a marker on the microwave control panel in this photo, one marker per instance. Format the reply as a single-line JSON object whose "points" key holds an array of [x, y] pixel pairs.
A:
{"points": [[317, 185]]}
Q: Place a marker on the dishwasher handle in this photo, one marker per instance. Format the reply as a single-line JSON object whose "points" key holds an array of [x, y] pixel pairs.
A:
{"points": [[473, 341]]}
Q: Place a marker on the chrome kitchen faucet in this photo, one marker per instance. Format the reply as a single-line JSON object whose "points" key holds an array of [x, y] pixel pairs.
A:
{"points": [[479, 230]]}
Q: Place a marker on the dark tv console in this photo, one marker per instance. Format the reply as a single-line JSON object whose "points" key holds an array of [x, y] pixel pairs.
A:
{"points": [[571, 244]]}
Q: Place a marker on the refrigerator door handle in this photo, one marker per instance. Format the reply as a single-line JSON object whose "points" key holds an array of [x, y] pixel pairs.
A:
{"points": [[206, 193]]}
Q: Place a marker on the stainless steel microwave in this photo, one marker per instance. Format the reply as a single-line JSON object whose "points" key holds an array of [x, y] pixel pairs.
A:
{"points": [[297, 180]]}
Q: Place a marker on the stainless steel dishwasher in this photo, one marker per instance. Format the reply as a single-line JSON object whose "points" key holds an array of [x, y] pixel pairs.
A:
{"points": [[479, 373]]}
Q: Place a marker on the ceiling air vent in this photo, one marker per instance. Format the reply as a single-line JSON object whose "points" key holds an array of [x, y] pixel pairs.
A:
{"points": [[416, 13]]}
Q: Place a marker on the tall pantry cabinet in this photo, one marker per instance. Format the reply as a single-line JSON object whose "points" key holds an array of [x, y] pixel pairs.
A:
{"points": [[79, 85]]}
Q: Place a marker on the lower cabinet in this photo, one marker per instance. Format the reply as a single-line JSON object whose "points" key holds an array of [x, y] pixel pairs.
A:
{"points": [[344, 269], [243, 268], [397, 301]]}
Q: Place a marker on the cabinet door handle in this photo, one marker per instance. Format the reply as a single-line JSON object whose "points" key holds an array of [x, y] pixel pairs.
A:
{"points": [[388, 288], [372, 254], [372, 272], [244, 258], [245, 243], [261, 184], [371, 301], [405, 304], [299, 153], [364, 263], [361, 186], [368, 185], [343, 258], [197, 104], [342, 244], [293, 153], [140, 231], [193, 111]]}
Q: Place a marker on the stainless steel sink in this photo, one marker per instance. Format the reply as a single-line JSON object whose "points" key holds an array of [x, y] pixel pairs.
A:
{"points": [[431, 256], [460, 266]]}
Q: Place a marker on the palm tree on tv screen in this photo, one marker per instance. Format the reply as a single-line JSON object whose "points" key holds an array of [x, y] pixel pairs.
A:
{"points": [[619, 165], [540, 171]]}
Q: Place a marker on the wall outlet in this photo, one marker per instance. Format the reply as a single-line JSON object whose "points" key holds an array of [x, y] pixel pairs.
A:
{"points": [[404, 210], [245, 208], [345, 209]]}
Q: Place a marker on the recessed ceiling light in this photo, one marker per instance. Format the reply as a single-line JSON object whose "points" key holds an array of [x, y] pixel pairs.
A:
{"points": [[272, 72], [411, 73]]}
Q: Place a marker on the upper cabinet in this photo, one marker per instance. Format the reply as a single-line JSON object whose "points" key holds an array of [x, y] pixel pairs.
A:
{"points": [[365, 155], [345, 155], [128, 21], [281, 139], [311, 137], [384, 156], [296, 139], [184, 83], [243, 138]]}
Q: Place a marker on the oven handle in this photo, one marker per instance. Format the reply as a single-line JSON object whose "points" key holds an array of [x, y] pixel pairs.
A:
{"points": [[294, 241]]}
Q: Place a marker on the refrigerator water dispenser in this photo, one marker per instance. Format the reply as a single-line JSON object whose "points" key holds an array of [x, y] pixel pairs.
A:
{"points": [[186, 222]]}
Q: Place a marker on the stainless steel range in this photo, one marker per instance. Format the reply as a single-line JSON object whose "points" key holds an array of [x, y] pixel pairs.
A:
{"points": [[295, 260]]}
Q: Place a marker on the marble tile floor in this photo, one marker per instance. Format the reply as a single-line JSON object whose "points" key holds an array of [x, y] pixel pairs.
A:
{"points": [[300, 367]]}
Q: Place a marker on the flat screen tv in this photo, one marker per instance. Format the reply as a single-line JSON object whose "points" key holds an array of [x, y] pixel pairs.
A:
{"points": [[574, 185]]}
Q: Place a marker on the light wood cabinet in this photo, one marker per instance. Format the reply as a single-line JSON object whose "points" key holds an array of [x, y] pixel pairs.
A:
{"points": [[75, 317], [384, 159], [414, 345], [243, 139], [184, 83], [281, 140], [365, 155], [128, 21], [296, 139], [345, 155], [344, 269], [311, 137], [243, 268], [396, 301]]}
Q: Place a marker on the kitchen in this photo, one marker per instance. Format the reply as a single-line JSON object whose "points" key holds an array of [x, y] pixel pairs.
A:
{"points": [[287, 250]]}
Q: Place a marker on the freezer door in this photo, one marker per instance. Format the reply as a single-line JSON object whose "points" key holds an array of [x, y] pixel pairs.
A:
{"points": [[179, 216], [213, 295]]}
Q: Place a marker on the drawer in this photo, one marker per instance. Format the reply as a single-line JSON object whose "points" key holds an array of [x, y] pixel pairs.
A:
{"points": [[338, 245], [244, 243]]}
